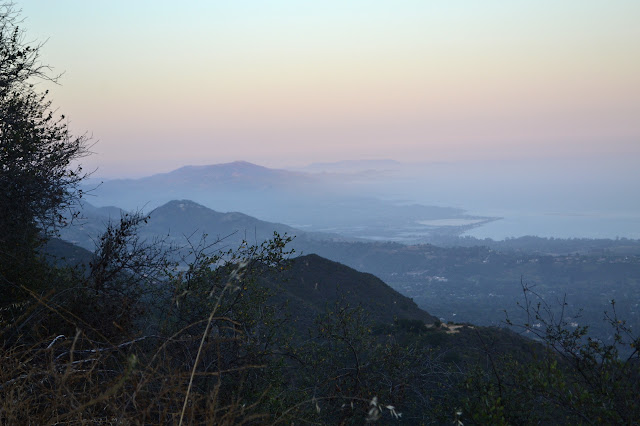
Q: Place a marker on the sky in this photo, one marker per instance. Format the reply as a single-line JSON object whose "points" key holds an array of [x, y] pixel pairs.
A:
{"points": [[161, 84]]}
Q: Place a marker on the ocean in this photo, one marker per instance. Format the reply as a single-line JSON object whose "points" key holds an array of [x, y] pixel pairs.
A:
{"points": [[587, 224]]}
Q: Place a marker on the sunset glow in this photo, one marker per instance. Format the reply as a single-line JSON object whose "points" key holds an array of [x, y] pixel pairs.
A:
{"points": [[160, 85]]}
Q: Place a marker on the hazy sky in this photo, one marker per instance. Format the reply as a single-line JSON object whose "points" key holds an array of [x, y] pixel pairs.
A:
{"points": [[162, 84]]}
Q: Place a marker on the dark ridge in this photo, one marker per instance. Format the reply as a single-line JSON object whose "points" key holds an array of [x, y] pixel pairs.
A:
{"points": [[312, 284]]}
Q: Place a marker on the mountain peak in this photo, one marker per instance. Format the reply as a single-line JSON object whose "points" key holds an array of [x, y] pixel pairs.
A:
{"points": [[234, 165], [236, 171], [182, 205]]}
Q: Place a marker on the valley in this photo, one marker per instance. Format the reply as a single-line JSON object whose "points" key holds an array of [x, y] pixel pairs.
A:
{"points": [[461, 279]]}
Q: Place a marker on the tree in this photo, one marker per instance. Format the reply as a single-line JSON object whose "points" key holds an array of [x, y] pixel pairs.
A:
{"points": [[37, 150], [579, 380]]}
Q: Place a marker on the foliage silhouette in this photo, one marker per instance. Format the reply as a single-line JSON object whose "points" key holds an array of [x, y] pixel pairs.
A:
{"points": [[37, 150]]}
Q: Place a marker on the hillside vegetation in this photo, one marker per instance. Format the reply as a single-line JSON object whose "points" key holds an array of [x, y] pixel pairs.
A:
{"points": [[473, 283]]}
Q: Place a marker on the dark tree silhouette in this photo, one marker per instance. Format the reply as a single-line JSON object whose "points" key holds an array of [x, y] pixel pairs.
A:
{"points": [[37, 151]]}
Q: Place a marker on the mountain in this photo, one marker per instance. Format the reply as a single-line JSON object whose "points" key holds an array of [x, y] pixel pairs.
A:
{"points": [[222, 181], [64, 253], [179, 220], [235, 173], [91, 222], [327, 202], [312, 284]]}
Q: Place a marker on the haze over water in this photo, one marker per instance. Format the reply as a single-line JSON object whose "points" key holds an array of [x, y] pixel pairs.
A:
{"points": [[562, 198]]}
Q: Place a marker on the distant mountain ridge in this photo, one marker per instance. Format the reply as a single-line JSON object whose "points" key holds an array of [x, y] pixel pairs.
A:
{"points": [[240, 173], [237, 172], [182, 218], [178, 220], [324, 202], [236, 186]]}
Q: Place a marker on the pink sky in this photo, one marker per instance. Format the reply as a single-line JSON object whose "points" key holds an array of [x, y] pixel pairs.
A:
{"points": [[289, 83]]}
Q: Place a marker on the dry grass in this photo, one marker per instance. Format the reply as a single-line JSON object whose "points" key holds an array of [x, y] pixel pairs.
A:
{"points": [[75, 379]]}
